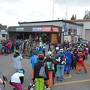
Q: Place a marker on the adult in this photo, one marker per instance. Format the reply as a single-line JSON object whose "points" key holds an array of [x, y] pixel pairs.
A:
{"points": [[17, 60], [33, 60], [17, 80], [61, 61]]}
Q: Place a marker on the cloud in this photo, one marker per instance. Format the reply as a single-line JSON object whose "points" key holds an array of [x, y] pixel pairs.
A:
{"points": [[73, 2], [25, 10], [9, 1], [13, 11]]}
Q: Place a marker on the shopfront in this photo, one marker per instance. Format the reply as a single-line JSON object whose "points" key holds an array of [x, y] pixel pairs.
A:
{"points": [[45, 33]]}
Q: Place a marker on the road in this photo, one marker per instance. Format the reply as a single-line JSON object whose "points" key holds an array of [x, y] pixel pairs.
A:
{"points": [[75, 82]]}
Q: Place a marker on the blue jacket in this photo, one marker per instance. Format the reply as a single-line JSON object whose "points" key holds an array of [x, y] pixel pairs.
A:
{"points": [[34, 60], [68, 57]]}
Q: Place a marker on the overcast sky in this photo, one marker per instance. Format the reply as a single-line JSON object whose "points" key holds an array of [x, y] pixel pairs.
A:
{"points": [[12, 11]]}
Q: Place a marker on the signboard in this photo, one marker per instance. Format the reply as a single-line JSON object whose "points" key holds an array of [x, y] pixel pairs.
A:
{"points": [[37, 29], [55, 29], [3, 32], [41, 29], [20, 29], [45, 29]]}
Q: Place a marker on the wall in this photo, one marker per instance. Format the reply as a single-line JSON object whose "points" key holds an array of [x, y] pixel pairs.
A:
{"points": [[87, 36]]}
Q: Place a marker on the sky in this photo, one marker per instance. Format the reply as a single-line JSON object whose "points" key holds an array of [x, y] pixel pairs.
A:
{"points": [[14, 11]]}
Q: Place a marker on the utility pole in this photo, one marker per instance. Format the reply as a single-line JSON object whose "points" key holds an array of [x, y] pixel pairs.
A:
{"points": [[53, 5], [66, 14]]}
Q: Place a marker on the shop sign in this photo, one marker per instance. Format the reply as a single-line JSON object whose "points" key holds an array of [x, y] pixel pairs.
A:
{"points": [[20, 29], [46, 29], [37, 29], [3, 32], [55, 29], [41, 29]]}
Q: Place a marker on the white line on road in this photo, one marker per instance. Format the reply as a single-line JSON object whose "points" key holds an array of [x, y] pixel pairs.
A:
{"points": [[72, 82]]}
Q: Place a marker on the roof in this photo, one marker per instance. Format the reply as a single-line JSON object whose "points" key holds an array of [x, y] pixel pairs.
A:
{"points": [[67, 21], [81, 20]]}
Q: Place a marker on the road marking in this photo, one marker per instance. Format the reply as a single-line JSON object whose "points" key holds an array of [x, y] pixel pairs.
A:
{"points": [[72, 82]]}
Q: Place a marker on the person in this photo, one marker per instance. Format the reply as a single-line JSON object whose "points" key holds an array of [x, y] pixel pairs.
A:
{"points": [[51, 73], [40, 71], [61, 61], [1, 84], [68, 61], [3, 81], [33, 60], [74, 58], [17, 59], [80, 62], [0, 47], [17, 80]]}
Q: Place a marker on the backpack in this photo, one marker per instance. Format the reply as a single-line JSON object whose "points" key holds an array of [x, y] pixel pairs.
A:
{"points": [[50, 65], [42, 71]]}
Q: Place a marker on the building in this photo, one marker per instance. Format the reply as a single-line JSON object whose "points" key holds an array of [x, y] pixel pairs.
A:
{"points": [[3, 32], [67, 30], [86, 27]]}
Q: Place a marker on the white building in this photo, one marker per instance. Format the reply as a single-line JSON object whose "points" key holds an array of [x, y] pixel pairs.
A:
{"points": [[86, 27]]}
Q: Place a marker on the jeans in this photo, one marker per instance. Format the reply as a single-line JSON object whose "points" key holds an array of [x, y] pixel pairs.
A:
{"points": [[60, 72], [67, 68]]}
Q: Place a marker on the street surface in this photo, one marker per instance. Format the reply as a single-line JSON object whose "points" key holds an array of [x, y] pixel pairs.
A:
{"points": [[74, 82]]}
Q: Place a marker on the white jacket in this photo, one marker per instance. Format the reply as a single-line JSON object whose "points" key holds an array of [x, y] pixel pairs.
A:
{"points": [[17, 62], [16, 77]]}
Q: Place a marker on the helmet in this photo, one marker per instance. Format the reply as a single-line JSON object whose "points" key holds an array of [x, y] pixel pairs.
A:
{"points": [[57, 48]]}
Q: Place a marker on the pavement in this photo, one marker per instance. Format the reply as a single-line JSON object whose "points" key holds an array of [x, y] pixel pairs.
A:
{"points": [[73, 82]]}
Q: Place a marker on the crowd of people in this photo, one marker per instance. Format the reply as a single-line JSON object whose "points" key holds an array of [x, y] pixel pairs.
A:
{"points": [[58, 61], [49, 62]]}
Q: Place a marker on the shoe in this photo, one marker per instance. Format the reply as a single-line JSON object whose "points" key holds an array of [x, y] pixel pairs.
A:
{"points": [[48, 88]]}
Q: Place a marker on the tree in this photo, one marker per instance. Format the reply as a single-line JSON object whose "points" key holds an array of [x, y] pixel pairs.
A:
{"points": [[87, 15], [73, 17]]}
